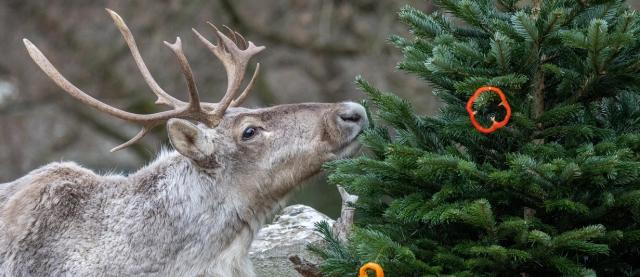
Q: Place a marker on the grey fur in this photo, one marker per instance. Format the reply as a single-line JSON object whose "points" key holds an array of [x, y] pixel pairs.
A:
{"points": [[193, 212]]}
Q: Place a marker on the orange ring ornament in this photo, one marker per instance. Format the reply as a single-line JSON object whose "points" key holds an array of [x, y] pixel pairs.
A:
{"points": [[496, 124], [371, 266]]}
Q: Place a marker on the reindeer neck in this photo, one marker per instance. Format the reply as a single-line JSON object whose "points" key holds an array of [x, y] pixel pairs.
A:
{"points": [[195, 212], [217, 206], [174, 178]]}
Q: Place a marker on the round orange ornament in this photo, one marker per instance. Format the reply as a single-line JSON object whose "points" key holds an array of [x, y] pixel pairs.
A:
{"points": [[496, 124], [371, 266]]}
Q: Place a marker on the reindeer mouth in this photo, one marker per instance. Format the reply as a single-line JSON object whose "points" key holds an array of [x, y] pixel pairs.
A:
{"points": [[348, 148]]}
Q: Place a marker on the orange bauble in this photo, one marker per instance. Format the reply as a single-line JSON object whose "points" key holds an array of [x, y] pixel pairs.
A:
{"points": [[496, 124], [371, 266]]}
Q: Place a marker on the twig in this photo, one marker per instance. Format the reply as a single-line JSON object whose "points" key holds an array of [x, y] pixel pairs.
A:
{"points": [[343, 225], [304, 267]]}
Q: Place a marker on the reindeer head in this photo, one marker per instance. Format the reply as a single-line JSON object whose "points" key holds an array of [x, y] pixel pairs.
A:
{"points": [[281, 144]]}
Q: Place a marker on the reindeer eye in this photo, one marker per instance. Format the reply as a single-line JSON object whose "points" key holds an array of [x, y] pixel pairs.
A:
{"points": [[249, 133]]}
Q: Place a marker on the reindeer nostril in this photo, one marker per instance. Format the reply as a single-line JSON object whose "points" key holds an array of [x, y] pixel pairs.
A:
{"points": [[352, 117]]}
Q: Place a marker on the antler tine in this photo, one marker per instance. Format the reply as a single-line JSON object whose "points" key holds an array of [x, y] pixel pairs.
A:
{"points": [[235, 62], [244, 41], [163, 97], [247, 89], [194, 98], [136, 138], [216, 33], [232, 33], [74, 91]]}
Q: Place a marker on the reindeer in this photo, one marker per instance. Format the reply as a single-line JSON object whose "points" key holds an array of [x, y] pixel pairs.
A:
{"points": [[192, 211]]}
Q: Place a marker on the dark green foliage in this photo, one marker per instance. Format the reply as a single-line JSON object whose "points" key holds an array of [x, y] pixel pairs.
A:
{"points": [[556, 192]]}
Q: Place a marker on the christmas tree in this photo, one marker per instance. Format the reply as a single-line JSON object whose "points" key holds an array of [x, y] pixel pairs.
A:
{"points": [[555, 192]]}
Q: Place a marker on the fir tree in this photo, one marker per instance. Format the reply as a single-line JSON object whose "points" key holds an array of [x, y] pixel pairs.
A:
{"points": [[554, 193]]}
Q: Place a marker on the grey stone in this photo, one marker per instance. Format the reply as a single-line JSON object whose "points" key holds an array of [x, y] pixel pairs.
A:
{"points": [[289, 234]]}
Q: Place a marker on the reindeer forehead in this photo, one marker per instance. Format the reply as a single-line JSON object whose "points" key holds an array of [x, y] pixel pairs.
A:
{"points": [[275, 113]]}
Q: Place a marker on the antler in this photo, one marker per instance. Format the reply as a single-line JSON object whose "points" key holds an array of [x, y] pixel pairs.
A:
{"points": [[233, 58], [235, 62]]}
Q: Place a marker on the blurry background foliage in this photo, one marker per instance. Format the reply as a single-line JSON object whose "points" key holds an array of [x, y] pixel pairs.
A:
{"points": [[315, 48]]}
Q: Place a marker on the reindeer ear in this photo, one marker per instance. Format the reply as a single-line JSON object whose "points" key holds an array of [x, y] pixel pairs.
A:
{"points": [[189, 140]]}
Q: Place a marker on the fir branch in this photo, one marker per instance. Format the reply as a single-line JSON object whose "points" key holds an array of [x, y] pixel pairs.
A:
{"points": [[500, 49], [556, 15], [596, 37], [525, 26]]}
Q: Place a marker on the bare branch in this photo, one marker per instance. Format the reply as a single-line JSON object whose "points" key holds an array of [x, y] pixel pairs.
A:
{"points": [[343, 225], [304, 267]]}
